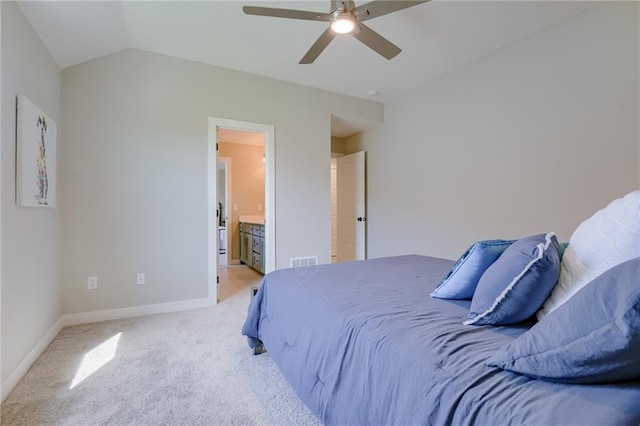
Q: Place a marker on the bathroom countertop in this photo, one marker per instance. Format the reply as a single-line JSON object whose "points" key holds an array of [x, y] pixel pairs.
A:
{"points": [[258, 220]]}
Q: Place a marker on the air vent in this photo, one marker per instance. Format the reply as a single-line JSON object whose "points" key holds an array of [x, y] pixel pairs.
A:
{"points": [[297, 262]]}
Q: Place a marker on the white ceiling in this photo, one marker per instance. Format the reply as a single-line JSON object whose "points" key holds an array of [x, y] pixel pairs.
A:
{"points": [[436, 37]]}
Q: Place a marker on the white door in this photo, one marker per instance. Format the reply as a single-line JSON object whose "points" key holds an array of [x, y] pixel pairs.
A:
{"points": [[351, 207]]}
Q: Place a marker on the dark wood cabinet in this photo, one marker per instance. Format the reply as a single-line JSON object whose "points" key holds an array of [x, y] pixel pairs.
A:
{"points": [[252, 245]]}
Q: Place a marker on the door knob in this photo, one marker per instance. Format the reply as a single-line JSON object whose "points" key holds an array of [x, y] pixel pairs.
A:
{"points": [[362, 219]]}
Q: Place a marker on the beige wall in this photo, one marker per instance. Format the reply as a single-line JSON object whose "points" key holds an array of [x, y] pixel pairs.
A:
{"points": [[247, 187], [338, 145], [31, 302], [533, 138], [134, 172]]}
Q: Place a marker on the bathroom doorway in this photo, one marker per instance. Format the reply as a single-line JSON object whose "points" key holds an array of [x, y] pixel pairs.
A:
{"points": [[247, 151]]}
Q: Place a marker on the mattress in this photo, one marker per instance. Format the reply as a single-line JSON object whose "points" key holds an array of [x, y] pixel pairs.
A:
{"points": [[362, 343]]}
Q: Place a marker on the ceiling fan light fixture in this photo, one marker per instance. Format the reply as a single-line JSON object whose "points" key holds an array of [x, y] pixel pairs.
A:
{"points": [[343, 23]]}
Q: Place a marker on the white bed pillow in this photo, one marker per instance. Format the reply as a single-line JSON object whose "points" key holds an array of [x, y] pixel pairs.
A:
{"points": [[606, 239]]}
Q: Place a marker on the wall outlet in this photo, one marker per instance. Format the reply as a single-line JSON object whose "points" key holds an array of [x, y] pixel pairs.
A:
{"points": [[140, 278], [92, 283]]}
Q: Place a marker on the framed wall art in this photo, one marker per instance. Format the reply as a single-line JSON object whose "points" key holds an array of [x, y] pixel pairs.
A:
{"points": [[36, 156]]}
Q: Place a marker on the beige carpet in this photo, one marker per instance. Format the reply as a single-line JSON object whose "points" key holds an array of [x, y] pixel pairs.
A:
{"points": [[186, 368]]}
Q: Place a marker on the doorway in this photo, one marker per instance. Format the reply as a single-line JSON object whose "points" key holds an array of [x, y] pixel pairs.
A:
{"points": [[233, 209], [243, 205]]}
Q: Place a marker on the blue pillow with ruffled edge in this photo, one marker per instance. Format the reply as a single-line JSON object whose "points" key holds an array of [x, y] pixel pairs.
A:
{"points": [[594, 337], [515, 286], [461, 281]]}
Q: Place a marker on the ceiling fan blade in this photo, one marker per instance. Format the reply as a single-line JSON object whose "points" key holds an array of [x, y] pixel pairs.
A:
{"points": [[286, 13], [376, 42], [378, 8], [321, 43]]}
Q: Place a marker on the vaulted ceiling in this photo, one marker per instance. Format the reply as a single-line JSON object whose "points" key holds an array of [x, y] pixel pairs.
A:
{"points": [[435, 37]]}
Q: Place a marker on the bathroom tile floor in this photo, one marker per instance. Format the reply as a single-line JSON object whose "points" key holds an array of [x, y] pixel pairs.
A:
{"points": [[236, 278]]}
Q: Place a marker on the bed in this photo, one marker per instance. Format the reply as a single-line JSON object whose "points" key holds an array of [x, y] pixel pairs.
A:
{"points": [[362, 343], [518, 332]]}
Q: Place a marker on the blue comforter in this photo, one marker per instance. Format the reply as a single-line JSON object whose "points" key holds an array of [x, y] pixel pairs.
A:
{"points": [[362, 343]]}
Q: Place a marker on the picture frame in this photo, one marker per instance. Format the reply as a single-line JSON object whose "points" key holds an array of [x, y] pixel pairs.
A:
{"points": [[36, 156]]}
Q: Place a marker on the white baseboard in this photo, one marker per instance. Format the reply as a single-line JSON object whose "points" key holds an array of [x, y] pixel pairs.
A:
{"points": [[25, 364], [95, 316], [136, 311]]}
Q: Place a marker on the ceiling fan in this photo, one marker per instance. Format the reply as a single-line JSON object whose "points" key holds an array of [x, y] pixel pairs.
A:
{"points": [[344, 18]]}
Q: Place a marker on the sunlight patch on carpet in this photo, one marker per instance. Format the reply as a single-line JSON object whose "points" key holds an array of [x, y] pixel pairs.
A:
{"points": [[95, 359]]}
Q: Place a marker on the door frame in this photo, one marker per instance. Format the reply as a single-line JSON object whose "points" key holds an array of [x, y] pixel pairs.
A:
{"points": [[268, 131]]}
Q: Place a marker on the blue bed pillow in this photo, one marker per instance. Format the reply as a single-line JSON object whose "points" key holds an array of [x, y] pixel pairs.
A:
{"points": [[517, 284], [594, 337], [462, 279]]}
